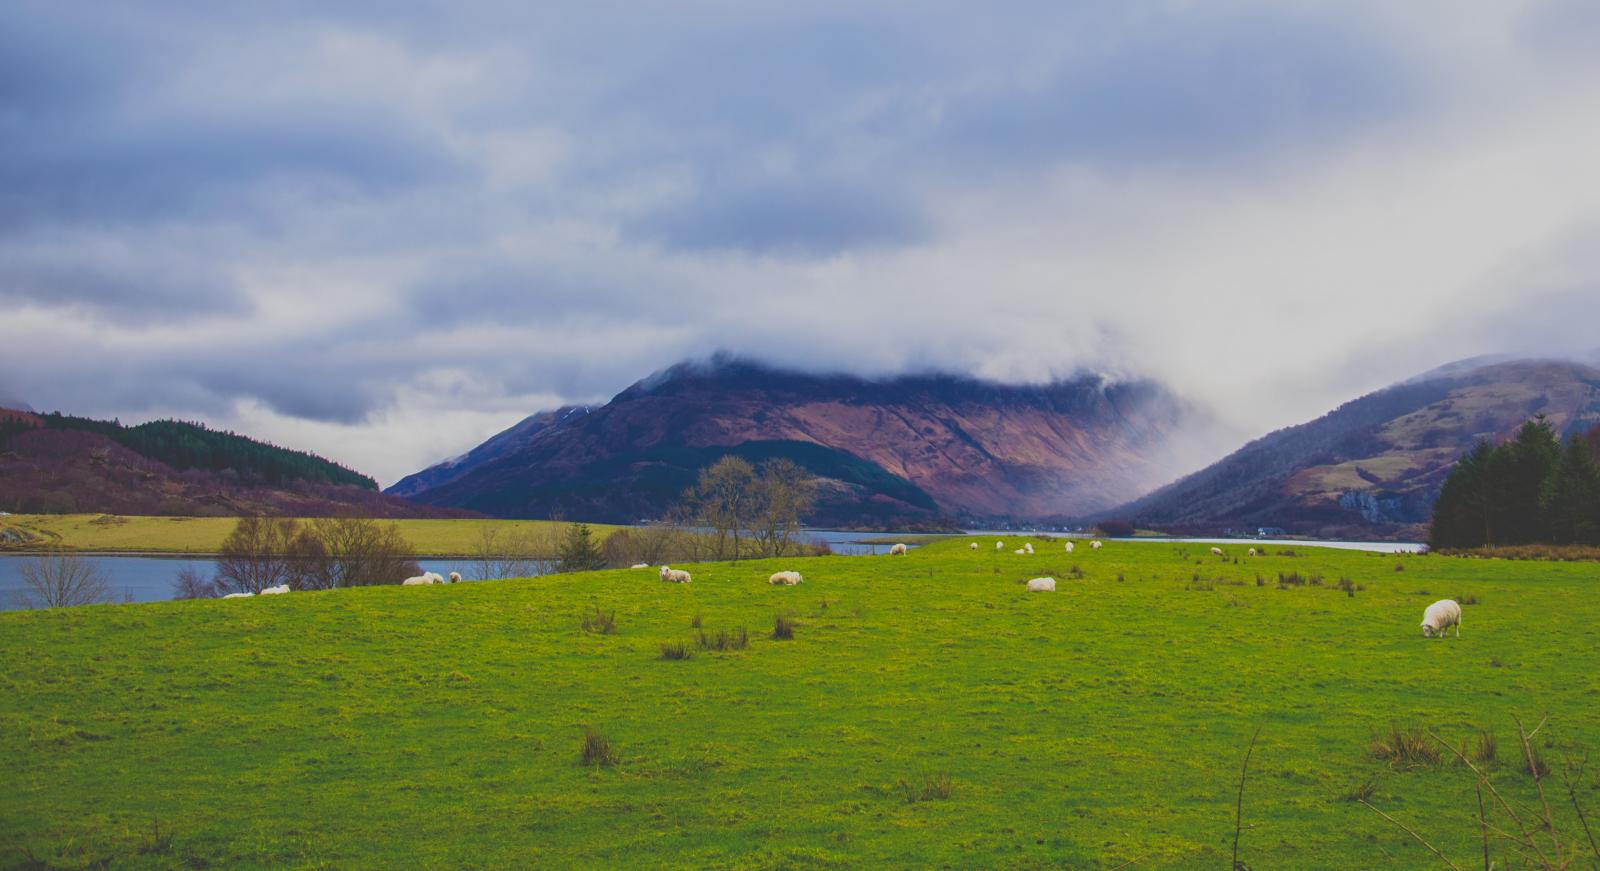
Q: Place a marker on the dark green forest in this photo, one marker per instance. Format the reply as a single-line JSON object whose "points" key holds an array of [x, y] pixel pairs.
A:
{"points": [[183, 445], [1532, 489]]}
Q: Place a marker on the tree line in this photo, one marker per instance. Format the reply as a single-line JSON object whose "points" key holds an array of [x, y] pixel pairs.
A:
{"points": [[1532, 489]]}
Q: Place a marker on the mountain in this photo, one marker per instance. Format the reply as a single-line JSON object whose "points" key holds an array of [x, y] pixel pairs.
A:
{"points": [[915, 450], [56, 463], [1373, 466]]}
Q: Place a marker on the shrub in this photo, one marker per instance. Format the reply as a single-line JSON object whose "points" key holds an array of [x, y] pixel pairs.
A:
{"points": [[676, 650], [600, 622], [1409, 747], [935, 787], [782, 629], [597, 749]]}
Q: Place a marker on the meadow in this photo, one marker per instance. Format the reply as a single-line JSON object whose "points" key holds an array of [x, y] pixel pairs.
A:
{"points": [[111, 533], [925, 712]]}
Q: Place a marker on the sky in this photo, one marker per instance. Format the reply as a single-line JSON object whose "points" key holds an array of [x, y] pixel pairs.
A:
{"points": [[385, 233]]}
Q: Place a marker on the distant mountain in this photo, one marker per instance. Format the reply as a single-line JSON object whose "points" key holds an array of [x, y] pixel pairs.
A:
{"points": [[1373, 467], [919, 450], [9, 404], [57, 463]]}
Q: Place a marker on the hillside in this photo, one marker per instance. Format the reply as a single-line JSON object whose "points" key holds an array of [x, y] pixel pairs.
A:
{"points": [[1374, 466], [927, 713], [56, 463], [898, 452]]}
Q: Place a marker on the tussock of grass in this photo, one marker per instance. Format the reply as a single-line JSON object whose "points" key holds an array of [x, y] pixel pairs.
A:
{"points": [[782, 629], [725, 640], [936, 787], [676, 650], [1408, 747], [599, 622], [598, 750], [1362, 791]]}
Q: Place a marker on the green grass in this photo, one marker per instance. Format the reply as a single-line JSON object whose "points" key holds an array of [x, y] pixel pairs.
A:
{"points": [[927, 712], [121, 533]]}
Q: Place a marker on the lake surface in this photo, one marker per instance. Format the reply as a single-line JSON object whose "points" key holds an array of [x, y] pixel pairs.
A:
{"points": [[149, 578]]}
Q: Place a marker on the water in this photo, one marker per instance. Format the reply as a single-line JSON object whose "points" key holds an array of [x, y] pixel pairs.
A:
{"points": [[149, 578]]}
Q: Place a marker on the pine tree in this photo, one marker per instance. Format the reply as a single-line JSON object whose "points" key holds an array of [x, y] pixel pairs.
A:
{"points": [[1569, 504], [580, 552]]}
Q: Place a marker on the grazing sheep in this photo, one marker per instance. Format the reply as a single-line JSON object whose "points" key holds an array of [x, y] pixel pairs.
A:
{"points": [[1441, 615], [1028, 546], [1096, 545], [1216, 551], [897, 549], [974, 545], [674, 576], [437, 578], [1250, 552], [787, 579], [455, 577], [238, 595], [641, 565], [275, 591], [1069, 547], [1042, 585], [419, 580]]}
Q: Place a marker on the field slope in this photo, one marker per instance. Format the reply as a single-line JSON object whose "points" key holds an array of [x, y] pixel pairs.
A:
{"points": [[441, 726]]}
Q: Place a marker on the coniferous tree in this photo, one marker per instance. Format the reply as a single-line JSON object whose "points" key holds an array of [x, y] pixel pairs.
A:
{"points": [[580, 552]]}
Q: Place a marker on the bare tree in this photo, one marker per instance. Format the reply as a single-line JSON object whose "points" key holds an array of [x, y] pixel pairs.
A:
{"points": [[520, 551], [783, 493], [256, 555], [191, 583], [724, 496], [58, 579], [351, 552]]}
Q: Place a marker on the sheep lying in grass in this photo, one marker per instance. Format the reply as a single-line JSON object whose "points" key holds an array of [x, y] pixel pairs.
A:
{"points": [[1028, 546], [1216, 551], [275, 591], [786, 579], [1096, 545], [641, 565], [1069, 547], [1250, 552], [455, 577], [1042, 585], [238, 595], [419, 580], [973, 545], [897, 550], [675, 576], [1020, 552], [1441, 615]]}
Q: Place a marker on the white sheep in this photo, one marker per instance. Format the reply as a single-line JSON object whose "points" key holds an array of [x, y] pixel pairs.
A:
{"points": [[1441, 615], [455, 577], [1250, 552], [675, 576], [275, 591], [1216, 551], [787, 579], [1096, 545], [1020, 552], [973, 545], [437, 578], [999, 545], [1028, 546], [419, 580], [897, 550], [641, 565], [238, 595], [1069, 547], [1042, 585]]}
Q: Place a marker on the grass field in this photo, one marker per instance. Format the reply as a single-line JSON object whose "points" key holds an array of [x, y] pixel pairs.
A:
{"points": [[114, 533], [927, 712]]}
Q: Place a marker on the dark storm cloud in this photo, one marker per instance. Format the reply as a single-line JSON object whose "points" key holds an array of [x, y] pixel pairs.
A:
{"points": [[315, 219]]}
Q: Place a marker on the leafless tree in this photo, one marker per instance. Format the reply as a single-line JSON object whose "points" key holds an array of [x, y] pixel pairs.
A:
{"points": [[783, 493], [191, 583], [58, 579], [520, 551], [724, 496], [256, 555], [350, 552]]}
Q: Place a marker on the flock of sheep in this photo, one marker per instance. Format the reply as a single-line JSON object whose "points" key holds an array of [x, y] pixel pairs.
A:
{"points": [[1436, 618]]}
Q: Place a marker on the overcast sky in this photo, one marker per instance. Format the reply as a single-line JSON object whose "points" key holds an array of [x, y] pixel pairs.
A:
{"points": [[385, 234]]}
